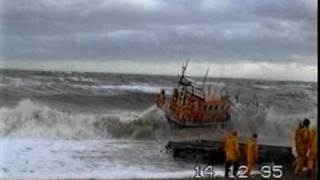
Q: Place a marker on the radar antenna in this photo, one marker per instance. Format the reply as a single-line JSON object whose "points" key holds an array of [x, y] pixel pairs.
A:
{"points": [[184, 68], [205, 78]]}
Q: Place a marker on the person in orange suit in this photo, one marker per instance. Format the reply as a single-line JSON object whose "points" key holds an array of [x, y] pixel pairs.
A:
{"points": [[232, 153], [297, 133], [251, 152], [302, 144], [312, 156]]}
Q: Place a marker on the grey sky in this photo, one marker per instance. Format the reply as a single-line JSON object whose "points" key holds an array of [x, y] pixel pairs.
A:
{"points": [[274, 39]]}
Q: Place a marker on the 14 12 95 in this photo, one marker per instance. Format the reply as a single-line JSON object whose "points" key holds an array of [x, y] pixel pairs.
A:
{"points": [[266, 171]]}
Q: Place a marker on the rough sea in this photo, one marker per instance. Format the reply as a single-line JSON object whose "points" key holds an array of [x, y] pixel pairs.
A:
{"points": [[100, 125]]}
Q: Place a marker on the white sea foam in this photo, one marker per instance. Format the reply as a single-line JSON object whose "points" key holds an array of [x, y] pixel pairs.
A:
{"points": [[143, 88], [111, 159], [32, 119], [265, 87], [20, 82], [102, 159]]}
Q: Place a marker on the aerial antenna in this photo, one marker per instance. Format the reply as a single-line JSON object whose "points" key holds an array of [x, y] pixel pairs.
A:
{"points": [[205, 78], [185, 67]]}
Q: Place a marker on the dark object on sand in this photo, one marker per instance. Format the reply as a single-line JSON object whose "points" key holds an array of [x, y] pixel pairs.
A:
{"points": [[211, 152]]}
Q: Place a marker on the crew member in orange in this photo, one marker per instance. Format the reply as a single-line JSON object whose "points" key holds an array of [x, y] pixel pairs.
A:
{"points": [[302, 143], [251, 152], [312, 157], [297, 133], [232, 153]]}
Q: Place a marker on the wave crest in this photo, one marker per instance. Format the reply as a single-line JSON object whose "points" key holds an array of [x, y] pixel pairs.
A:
{"points": [[34, 119]]}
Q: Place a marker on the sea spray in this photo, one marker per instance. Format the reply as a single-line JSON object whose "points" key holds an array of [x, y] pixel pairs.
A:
{"points": [[31, 118], [34, 119], [151, 124]]}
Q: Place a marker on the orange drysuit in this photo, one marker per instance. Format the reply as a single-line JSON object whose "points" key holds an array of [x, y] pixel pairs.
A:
{"points": [[231, 148], [312, 150], [296, 139], [302, 144], [251, 154], [297, 135]]}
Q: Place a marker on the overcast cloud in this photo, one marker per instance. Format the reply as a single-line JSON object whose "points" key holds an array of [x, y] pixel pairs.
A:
{"points": [[275, 39]]}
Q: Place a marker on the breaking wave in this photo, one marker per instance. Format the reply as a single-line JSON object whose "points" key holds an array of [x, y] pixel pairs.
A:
{"points": [[37, 120], [33, 119]]}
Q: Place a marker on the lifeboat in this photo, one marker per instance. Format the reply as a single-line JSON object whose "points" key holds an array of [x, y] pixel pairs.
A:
{"points": [[194, 104]]}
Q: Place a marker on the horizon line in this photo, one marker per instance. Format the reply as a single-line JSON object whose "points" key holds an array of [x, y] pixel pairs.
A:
{"points": [[149, 74]]}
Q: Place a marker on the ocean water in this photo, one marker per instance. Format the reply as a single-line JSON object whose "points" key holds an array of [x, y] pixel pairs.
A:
{"points": [[95, 125]]}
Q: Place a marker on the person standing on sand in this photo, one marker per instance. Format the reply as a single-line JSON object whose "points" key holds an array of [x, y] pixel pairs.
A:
{"points": [[296, 135], [302, 145], [251, 152], [312, 153], [232, 153]]}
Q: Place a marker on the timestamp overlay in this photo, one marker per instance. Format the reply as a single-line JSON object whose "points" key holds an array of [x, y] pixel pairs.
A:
{"points": [[265, 171]]}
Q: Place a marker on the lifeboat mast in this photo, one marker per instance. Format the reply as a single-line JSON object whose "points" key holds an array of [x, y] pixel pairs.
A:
{"points": [[186, 84]]}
